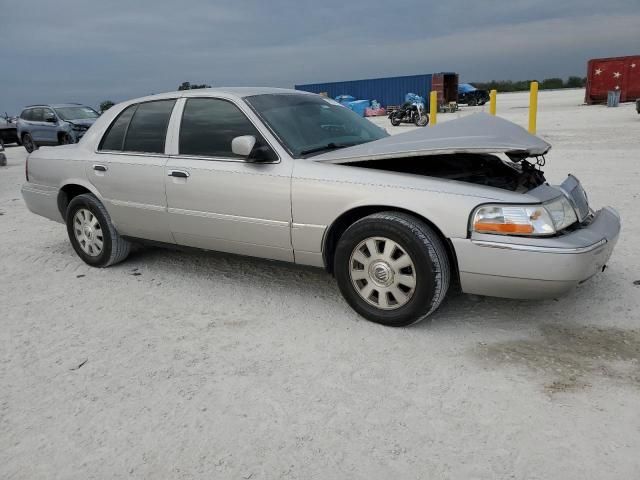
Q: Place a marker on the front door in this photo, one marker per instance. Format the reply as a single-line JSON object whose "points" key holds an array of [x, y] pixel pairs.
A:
{"points": [[128, 170], [218, 200], [36, 125], [49, 127]]}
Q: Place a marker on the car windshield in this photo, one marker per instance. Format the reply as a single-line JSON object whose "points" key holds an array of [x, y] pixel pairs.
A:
{"points": [[76, 113], [310, 125]]}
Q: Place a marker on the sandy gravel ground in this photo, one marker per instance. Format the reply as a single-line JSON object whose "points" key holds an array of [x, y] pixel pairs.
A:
{"points": [[202, 365]]}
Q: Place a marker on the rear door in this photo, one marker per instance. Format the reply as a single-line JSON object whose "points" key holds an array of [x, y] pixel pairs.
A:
{"points": [[218, 200], [128, 170]]}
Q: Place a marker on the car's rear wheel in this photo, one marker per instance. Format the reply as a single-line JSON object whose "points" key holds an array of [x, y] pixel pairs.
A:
{"points": [[92, 234], [392, 268], [28, 143]]}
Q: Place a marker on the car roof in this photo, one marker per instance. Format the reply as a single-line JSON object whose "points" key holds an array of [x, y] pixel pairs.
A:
{"points": [[222, 91], [240, 91], [54, 105]]}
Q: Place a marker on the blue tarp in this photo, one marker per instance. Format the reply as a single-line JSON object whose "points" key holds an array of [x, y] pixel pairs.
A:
{"points": [[359, 106], [413, 98], [466, 88], [345, 99]]}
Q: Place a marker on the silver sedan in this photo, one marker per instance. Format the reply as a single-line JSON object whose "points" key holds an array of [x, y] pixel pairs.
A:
{"points": [[296, 177]]}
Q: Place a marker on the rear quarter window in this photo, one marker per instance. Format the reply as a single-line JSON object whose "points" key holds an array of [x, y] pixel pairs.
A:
{"points": [[114, 138]]}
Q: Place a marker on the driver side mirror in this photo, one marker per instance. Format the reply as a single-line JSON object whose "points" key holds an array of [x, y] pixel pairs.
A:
{"points": [[246, 146], [243, 145]]}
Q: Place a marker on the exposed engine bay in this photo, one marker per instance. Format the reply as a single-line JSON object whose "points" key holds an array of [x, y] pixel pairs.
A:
{"points": [[518, 175]]}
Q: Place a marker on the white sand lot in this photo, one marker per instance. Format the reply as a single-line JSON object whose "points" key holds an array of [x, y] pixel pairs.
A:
{"points": [[204, 365]]}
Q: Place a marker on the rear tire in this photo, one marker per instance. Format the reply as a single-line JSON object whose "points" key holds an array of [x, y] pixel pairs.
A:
{"points": [[395, 120], [392, 268], [28, 143], [92, 234]]}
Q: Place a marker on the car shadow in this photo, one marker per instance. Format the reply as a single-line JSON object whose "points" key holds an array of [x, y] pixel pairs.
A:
{"points": [[459, 310]]}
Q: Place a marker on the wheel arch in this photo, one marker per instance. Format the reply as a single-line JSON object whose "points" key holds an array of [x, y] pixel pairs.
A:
{"points": [[72, 189], [349, 217]]}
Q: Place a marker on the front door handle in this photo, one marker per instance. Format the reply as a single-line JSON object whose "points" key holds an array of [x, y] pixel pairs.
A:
{"points": [[178, 173], [100, 168]]}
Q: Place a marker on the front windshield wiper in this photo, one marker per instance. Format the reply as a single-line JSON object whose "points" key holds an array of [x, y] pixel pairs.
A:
{"points": [[328, 146]]}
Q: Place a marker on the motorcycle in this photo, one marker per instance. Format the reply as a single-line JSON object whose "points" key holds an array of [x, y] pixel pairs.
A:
{"points": [[410, 113]]}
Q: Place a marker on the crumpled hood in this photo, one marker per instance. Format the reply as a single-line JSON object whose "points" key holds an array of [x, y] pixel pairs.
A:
{"points": [[83, 122], [477, 133]]}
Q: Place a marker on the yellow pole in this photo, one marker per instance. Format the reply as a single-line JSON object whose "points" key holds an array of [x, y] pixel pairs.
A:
{"points": [[433, 108], [492, 102], [533, 107]]}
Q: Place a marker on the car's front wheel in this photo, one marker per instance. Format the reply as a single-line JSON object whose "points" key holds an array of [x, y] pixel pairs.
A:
{"points": [[65, 139], [392, 268], [92, 234], [28, 143], [421, 120]]}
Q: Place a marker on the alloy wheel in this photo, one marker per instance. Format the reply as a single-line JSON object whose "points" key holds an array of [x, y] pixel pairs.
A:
{"points": [[88, 232], [382, 273]]}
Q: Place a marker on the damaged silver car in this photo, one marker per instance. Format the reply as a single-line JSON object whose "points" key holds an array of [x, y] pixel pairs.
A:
{"points": [[291, 176]]}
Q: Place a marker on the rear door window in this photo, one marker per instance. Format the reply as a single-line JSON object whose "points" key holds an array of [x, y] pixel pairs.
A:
{"points": [[140, 128], [148, 127]]}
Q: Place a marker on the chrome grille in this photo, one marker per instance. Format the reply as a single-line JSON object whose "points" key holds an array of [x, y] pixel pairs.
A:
{"points": [[577, 196]]}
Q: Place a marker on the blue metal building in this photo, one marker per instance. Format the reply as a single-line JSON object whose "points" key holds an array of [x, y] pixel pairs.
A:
{"points": [[388, 91]]}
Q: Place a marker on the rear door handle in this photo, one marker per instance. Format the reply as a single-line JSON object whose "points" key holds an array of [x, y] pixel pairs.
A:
{"points": [[100, 168], [178, 173]]}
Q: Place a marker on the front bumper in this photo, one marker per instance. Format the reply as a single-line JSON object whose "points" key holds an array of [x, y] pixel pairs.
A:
{"points": [[530, 268]]}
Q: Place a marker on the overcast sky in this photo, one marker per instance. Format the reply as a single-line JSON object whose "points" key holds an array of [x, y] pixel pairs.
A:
{"points": [[88, 51]]}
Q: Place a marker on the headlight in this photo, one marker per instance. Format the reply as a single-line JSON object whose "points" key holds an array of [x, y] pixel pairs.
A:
{"points": [[561, 212], [545, 219]]}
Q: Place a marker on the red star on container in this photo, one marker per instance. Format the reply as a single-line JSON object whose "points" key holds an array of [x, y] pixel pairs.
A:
{"points": [[616, 75]]}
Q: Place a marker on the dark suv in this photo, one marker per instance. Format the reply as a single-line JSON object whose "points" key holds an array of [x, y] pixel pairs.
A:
{"points": [[40, 125]]}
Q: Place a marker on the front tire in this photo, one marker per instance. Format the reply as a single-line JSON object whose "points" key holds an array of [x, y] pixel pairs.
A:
{"points": [[392, 268], [28, 143], [65, 139], [422, 120], [92, 234]]}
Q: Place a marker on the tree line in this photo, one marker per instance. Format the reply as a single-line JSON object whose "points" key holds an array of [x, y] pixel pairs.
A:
{"points": [[521, 85]]}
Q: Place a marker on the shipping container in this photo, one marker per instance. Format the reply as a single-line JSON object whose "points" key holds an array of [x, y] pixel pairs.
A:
{"points": [[446, 84], [391, 90], [613, 74]]}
